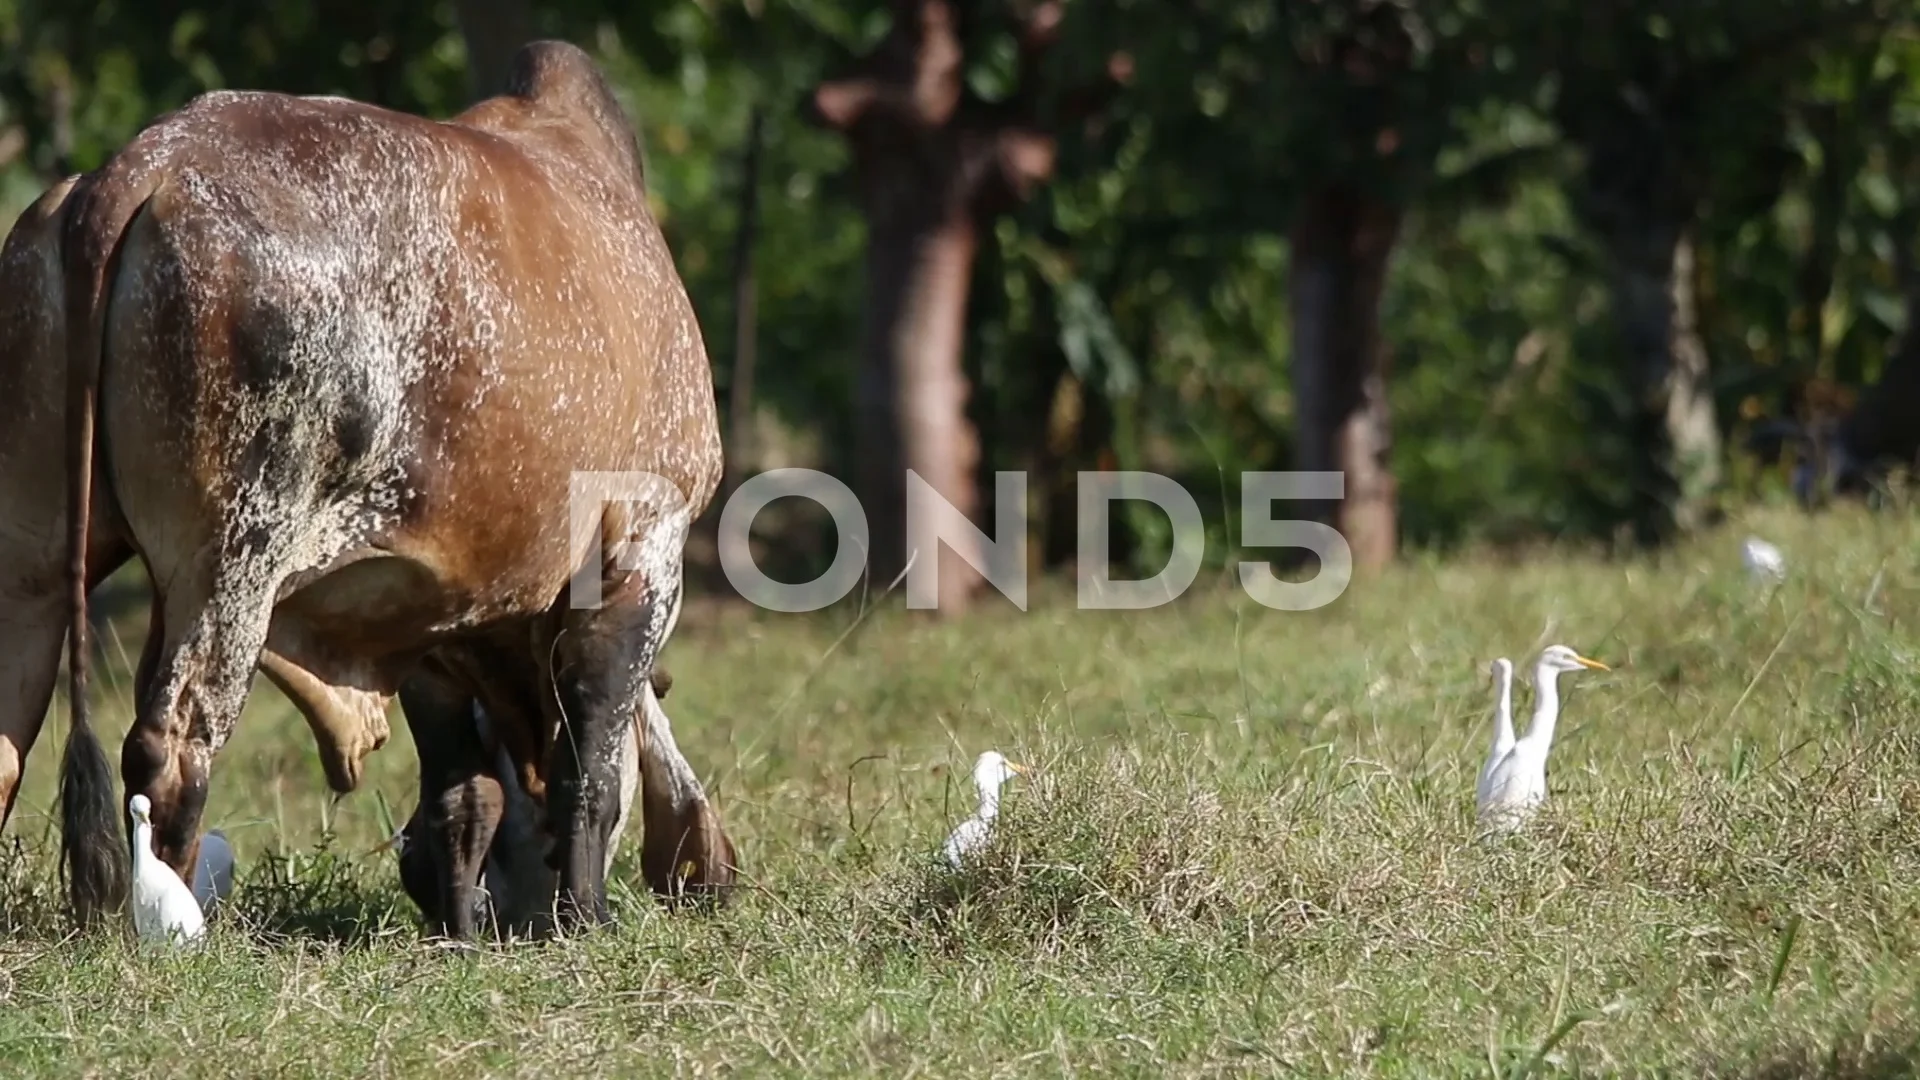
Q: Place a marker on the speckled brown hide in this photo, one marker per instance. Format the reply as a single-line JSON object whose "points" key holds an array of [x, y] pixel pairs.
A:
{"points": [[334, 367]]}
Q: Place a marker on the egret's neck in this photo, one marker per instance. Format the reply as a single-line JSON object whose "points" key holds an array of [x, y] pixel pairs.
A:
{"points": [[142, 841], [989, 800], [1503, 708], [1546, 703]]}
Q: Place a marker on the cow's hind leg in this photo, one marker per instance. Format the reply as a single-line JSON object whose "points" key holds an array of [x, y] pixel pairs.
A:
{"points": [[33, 624], [191, 691], [30, 637], [33, 482], [684, 848], [460, 801]]}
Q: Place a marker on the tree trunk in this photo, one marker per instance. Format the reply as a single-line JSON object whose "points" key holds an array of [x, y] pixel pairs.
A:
{"points": [[912, 394], [1693, 427], [13, 143], [1676, 435], [493, 30], [933, 161], [1341, 243]]}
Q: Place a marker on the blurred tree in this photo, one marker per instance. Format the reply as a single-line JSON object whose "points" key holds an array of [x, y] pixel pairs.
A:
{"points": [[1381, 157], [1883, 111], [1660, 99], [1324, 121], [83, 81], [933, 160]]}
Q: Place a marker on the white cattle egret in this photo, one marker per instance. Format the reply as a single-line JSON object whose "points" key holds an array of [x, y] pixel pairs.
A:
{"points": [[1502, 671], [213, 870], [1517, 784], [163, 907], [1762, 560], [990, 771]]}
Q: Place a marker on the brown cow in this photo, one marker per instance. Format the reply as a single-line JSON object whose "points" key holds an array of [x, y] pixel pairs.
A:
{"points": [[331, 370]]}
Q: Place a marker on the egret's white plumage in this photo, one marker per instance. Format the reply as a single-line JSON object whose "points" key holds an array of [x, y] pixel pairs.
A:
{"points": [[1516, 784], [164, 909], [990, 771], [1763, 561], [213, 870], [1502, 671]]}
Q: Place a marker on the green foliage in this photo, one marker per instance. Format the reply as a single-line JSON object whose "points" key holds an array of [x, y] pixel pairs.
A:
{"points": [[692, 103], [1153, 269]]}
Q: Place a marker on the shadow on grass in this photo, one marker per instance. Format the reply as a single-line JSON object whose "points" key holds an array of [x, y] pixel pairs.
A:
{"points": [[319, 895]]}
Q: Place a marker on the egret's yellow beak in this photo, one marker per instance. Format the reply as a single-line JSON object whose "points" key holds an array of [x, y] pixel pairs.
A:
{"points": [[1594, 664], [1018, 768]]}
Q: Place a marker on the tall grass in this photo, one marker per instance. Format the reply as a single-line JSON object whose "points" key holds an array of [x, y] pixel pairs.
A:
{"points": [[1248, 848]]}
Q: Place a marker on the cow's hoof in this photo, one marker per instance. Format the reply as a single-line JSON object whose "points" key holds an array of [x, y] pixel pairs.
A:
{"points": [[348, 724], [689, 857], [576, 916], [345, 758]]}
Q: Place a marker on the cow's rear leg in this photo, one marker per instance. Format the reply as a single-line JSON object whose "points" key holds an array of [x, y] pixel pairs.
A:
{"points": [[459, 800], [190, 693], [684, 848], [30, 638], [33, 624], [33, 481]]}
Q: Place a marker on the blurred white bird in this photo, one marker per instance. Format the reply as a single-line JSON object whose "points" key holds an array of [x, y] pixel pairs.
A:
{"points": [[1502, 671], [1762, 560], [213, 870], [1517, 784], [164, 909], [990, 771]]}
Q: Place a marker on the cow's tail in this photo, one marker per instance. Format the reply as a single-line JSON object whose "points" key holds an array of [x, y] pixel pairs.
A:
{"points": [[93, 858]]}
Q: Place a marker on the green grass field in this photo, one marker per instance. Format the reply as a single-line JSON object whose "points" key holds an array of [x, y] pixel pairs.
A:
{"points": [[1250, 849]]}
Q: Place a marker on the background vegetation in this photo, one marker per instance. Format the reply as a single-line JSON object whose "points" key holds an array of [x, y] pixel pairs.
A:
{"points": [[1519, 268]]}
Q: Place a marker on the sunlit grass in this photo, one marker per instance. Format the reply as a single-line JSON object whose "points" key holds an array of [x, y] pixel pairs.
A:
{"points": [[1249, 848]]}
